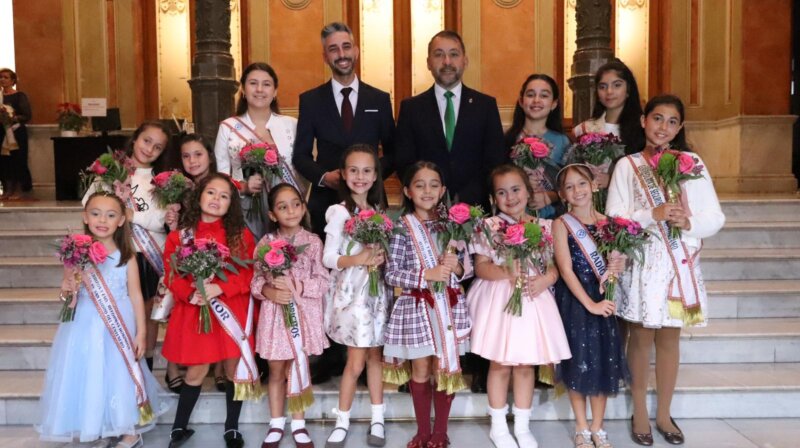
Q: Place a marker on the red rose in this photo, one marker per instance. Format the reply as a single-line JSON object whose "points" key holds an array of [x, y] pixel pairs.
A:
{"points": [[98, 168]]}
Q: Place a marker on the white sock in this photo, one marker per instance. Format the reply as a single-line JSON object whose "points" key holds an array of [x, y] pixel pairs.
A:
{"points": [[377, 417], [499, 429], [300, 424], [342, 421], [278, 423], [522, 429]]}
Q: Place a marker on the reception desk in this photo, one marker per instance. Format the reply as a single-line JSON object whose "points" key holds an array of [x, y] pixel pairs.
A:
{"points": [[71, 155]]}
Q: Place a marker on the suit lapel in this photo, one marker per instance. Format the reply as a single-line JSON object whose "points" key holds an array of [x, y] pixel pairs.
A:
{"points": [[432, 112], [466, 111], [363, 102], [331, 110]]}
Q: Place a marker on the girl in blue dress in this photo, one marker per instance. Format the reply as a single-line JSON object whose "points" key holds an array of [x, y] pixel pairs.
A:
{"points": [[93, 389], [538, 114], [598, 366]]}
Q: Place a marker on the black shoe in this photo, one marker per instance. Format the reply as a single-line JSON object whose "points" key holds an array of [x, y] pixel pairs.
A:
{"points": [[673, 438], [320, 377], [233, 439], [643, 439], [403, 388], [219, 383], [179, 436], [174, 384], [478, 384]]}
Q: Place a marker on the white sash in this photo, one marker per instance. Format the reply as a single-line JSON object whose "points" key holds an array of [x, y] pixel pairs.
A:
{"points": [[287, 175], [586, 244], [683, 288], [108, 311], [299, 378], [146, 244], [246, 380], [440, 317]]}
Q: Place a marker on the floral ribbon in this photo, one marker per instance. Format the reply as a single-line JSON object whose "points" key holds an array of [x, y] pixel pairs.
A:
{"points": [[684, 293], [106, 306], [439, 314]]}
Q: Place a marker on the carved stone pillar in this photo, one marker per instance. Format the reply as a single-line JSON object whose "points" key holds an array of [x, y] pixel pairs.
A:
{"points": [[213, 84], [593, 31]]}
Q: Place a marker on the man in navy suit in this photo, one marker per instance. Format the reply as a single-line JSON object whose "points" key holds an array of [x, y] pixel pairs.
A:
{"points": [[451, 125], [342, 112], [459, 130]]}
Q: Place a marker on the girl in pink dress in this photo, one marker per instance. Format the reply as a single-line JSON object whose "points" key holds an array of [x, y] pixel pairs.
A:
{"points": [[512, 343], [298, 291]]}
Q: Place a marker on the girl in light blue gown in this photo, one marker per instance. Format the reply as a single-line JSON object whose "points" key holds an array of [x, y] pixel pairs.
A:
{"points": [[89, 390]]}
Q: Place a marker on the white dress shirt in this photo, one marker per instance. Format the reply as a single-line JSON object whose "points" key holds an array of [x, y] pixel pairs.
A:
{"points": [[338, 97], [442, 101]]}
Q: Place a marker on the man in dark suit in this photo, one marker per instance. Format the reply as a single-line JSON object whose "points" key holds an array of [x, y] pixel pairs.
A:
{"points": [[459, 130], [451, 125], [336, 124], [342, 112]]}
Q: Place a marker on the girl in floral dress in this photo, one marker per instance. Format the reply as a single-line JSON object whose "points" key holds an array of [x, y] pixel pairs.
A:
{"points": [[287, 346], [353, 318], [666, 291]]}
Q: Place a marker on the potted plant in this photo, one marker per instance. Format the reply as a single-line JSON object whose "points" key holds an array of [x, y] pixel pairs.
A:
{"points": [[70, 120]]}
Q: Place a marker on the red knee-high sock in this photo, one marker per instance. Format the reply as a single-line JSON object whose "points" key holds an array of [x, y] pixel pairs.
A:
{"points": [[441, 407], [421, 396]]}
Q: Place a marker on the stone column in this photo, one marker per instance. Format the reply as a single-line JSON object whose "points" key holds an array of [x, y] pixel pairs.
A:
{"points": [[213, 84], [593, 31]]}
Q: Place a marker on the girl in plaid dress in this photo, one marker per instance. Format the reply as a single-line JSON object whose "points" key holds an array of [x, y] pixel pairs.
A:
{"points": [[430, 329]]}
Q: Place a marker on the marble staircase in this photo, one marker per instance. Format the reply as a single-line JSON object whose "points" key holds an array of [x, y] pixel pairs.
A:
{"points": [[745, 364]]}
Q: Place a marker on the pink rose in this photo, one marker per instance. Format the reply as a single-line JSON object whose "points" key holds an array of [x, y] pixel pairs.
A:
{"points": [[274, 258], [162, 179], [656, 158], [540, 150], [97, 252], [366, 214], [387, 223], [202, 243], [186, 251], [622, 222], [98, 168], [271, 157], [515, 235], [685, 163], [223, 250], [350, 226], [459, 213], [245, 150], [82, 240], [278, 244]]}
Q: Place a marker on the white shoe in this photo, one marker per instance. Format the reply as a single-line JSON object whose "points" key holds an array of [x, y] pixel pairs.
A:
{"points": [[503, 440], [526, 440]]}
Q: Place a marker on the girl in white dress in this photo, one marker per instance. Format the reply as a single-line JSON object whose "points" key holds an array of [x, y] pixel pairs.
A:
{"points": [[665, 292], [352, 317]]}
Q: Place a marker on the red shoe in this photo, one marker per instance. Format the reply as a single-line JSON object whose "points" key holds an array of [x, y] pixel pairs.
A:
{"points": [[418, 442], [438, 441], [302, 444], [272, 444]]}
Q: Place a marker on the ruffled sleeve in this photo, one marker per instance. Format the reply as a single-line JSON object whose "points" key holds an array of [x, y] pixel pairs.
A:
{"points": [[317, 280], [707, 217], [402, 269], [621, 190], [335, 216]]}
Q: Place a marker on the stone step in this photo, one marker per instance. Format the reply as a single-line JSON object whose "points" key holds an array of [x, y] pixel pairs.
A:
{"points": [[42, 215], [27, 347], [753, 298], [761, 208], [750, 264], [703, 391], [30, 243], [30, 272], [755, 235], [728, 299]]}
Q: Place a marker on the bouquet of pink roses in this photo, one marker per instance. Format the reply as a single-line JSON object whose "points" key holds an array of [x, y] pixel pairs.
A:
{"points": [[531, 152], [456, 223], [263, 159], [525, 243], [169, 188], [112, 170], [204, 259], [369, 227], [275, 258], [673, 168], [76, 251], [621, 235], [597, 150]]}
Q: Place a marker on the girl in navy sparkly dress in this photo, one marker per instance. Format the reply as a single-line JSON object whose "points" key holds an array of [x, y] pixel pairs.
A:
{"points": [[598, 365]]}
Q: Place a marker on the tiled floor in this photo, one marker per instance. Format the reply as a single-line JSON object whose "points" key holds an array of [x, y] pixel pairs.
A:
{"points": [[768, 433]]}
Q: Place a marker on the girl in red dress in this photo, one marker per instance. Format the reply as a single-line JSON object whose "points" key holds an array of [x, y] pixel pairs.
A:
{"points": [[213, 212]]}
